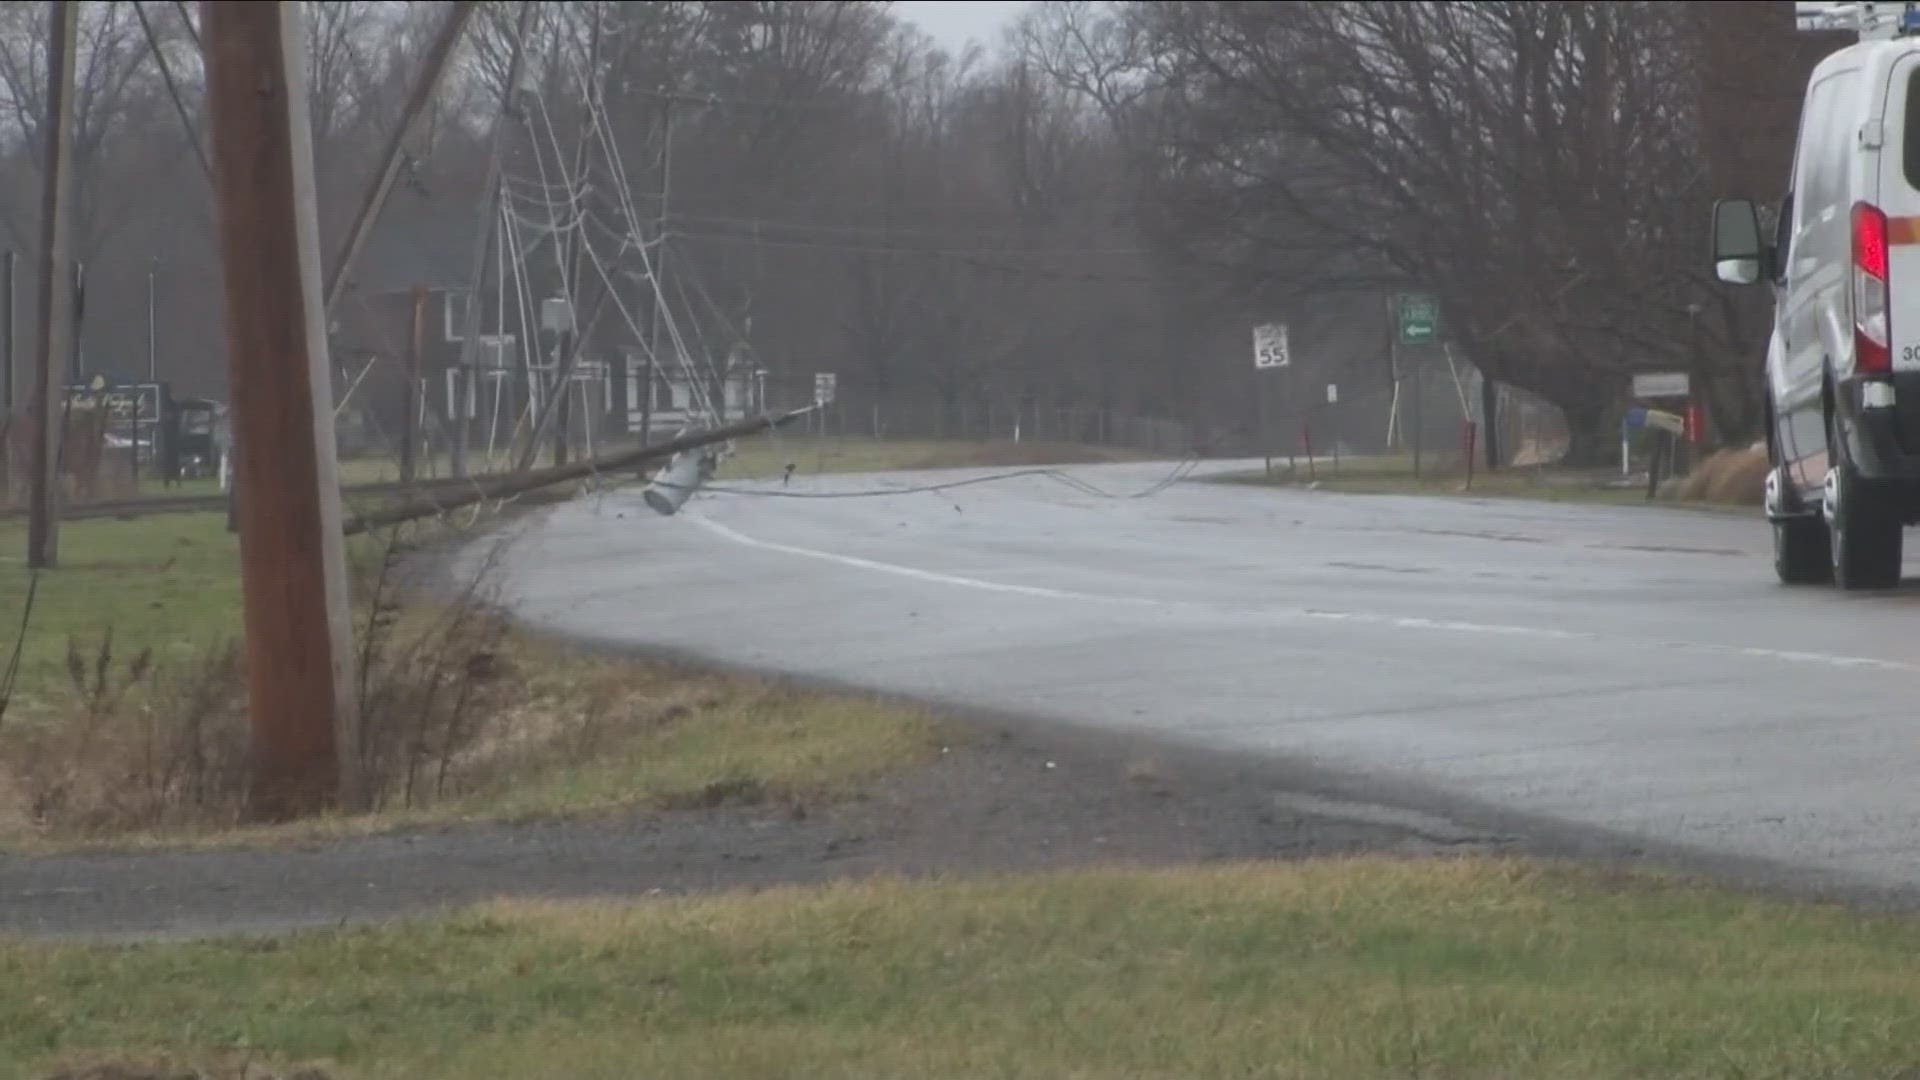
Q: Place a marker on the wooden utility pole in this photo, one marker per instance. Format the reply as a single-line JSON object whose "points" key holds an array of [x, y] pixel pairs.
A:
{"points": [[292, 554], [56, 301], [410, 424]]}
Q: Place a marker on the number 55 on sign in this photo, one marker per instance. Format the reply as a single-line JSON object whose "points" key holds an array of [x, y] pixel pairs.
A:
{"points": [[1270, 346]]}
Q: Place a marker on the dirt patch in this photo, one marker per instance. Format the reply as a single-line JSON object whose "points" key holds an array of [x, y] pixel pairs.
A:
{"points": [[999, 798], [1732, 477]]}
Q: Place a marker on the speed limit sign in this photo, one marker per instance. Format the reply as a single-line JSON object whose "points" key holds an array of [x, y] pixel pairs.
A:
{"points": [[1270, 346]]}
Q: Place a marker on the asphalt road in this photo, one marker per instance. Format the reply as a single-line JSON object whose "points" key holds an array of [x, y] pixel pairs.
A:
{"points": [[1629, 670]]}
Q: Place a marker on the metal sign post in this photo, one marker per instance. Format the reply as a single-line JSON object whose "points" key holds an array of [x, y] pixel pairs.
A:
{"points": [[1333, 422], [1417, 322], [1668, 388], [1270, 353], [824, 385]]}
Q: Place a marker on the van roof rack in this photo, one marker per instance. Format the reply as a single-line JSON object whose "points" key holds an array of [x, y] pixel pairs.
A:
{"points": [[1872, 21]]}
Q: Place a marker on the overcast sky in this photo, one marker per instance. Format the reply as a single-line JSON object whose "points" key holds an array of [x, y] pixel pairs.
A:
{"points": [[953, 23]]}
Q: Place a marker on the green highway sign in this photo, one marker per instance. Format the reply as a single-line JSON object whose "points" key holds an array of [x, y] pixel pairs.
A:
{"points": [[1419, 319]]}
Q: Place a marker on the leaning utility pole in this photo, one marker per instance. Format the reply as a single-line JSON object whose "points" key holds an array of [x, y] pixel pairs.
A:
{"points": [[433, 71], [485, 235], [292, 555], [410, 423], [55, 305], [657, 266]]}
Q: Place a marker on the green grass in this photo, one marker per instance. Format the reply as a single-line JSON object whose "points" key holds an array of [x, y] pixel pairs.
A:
{"points": [[1350, 969], [681, 740], [768, 455], [170, 582]]}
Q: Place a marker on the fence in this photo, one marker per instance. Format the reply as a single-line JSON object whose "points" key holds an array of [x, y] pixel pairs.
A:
{"points": [[1428, 413]]}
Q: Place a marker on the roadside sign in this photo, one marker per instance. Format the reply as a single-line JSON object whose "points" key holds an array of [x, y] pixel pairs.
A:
{"points": [[823, 388], [1270, 346], [1419, 319], [1333, 394], [1663, 384]]}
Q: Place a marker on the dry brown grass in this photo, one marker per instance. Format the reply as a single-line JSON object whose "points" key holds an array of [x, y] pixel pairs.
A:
{"points": [[474, 721], [462, 717], [1730, 477]]}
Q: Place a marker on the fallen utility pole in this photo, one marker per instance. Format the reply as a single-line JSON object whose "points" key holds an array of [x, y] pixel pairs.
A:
{"points": [[56, 301], [657, 272], [506, 487], [433, 71], [292, 556]]}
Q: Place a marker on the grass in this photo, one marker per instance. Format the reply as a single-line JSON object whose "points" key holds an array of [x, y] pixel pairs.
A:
{"points": [[170, 581], [1394, 475], [768, 455], [598, 737], [564, 735], [673, 739], [1348, 968], [578, 735]]}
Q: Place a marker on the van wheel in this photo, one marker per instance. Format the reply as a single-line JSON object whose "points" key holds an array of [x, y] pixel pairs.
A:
{"points": [[1802, 554], [1864, 538]]}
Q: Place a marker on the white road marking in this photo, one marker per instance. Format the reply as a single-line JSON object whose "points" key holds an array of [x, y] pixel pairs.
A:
{"points": [[1295, 614]]}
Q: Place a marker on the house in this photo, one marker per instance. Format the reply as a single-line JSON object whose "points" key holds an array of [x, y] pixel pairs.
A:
{"points": [[419, 255]]}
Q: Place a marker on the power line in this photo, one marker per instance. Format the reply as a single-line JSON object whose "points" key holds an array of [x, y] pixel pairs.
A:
{"points": [[1180, 472], [950, 253], [976, 261]]}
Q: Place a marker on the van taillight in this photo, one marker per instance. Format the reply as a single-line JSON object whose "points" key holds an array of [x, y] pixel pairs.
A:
{"points": [[1872, 333]]}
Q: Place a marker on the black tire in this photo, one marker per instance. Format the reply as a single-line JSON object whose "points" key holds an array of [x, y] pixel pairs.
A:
{"points": [[1865, 536], [1802, 554]]}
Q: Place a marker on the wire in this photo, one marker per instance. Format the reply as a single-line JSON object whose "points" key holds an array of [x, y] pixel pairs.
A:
{"points": [[949, 253], [12, 676], [974, 261], [1180, 472]]}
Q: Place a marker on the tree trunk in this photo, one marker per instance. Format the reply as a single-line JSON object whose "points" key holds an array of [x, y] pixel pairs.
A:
{"points": [[1732, 407], [1591, 438]]}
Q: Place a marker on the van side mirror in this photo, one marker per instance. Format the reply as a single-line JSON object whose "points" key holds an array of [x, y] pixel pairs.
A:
{"points": [[1739, 252]]}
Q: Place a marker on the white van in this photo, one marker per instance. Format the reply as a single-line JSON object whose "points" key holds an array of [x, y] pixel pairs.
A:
{"points": [[1843, 365]]}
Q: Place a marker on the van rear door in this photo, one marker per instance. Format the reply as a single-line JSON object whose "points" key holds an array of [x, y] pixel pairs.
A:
{"points": [[1899, 199]]}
